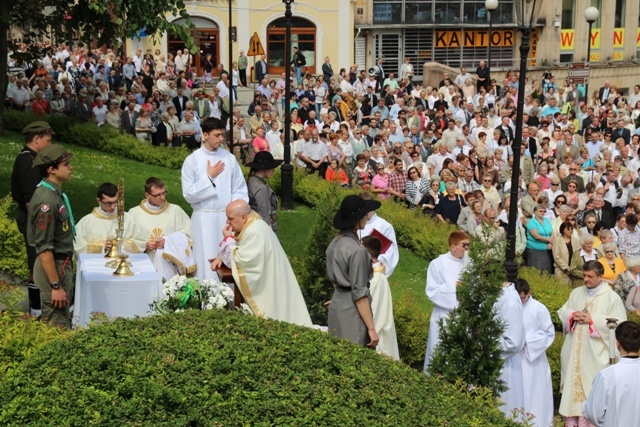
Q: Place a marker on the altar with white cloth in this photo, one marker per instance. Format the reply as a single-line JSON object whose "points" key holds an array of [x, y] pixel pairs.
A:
{"points": [[99, 291]]}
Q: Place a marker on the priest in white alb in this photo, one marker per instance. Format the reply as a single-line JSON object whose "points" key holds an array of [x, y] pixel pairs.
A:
{"points": [[378, 226], [211, 179], [536, 372], [443, 277], [260, 267], [94, 232], [585, 350], [167, 229], [381, 302], [509, 311], [614, 397]]}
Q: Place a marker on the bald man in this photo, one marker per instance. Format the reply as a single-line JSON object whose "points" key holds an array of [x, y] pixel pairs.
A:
{"points": [[260, 267]]}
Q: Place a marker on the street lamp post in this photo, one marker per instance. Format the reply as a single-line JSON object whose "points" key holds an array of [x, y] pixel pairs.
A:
{"points": [[490, 6], [230, 79], [286, 192], [591, 15], [527, 15]]}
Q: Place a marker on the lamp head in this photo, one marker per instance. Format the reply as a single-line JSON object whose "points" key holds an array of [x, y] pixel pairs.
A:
{"points": [[527, 12], [491, 5], [591, 14]]}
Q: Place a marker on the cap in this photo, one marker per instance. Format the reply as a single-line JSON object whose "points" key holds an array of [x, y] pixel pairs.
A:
{"points": [[53, 154], [38, 127]]}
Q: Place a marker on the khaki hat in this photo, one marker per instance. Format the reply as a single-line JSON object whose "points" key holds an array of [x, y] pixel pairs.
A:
{"points": [[38, 127], [51, 155]]}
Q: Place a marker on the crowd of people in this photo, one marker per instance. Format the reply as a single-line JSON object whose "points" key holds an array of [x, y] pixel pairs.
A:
{"points": [[440, 148]]}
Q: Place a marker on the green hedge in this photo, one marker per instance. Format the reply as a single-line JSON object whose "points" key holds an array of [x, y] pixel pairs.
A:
{"points": [[14, 256], [104, 138], [223, 368]]}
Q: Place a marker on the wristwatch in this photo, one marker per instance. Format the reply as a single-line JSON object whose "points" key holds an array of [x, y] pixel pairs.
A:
{"points": [[55, 285]]}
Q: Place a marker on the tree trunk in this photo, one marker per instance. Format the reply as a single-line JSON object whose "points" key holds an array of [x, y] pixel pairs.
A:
{"points": [[4, 78]]}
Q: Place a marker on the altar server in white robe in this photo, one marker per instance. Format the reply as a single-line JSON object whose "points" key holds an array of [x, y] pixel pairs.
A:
{"points": [[158, 219], [614, 397], [443, 277], [260, 267], [585, 350], [536, 373], [509, 310], [381, 302], [391, 256], [211, 179], [94, 232]]}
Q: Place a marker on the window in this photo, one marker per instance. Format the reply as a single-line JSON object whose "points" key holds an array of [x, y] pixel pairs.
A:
{"points": [[598, 5], [439, 12], [418, 12], [568, 15], [620, 12], [387, 12]]}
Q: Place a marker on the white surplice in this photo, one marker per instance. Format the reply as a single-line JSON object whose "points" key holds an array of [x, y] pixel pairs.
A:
{"points": [[509, 310], [614, 397], [93, 230], [382, 309], [391, 257], [442, 276], [536, 373], [263, 273], [585, 350], [209, 199]]}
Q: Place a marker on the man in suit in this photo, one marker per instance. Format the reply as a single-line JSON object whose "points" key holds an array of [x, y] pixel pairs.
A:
{"points": [[622, 132], [373, 98], [604, 92], [530, 142], [128, 119], [113, 80], [573, 170], [327, 70], [601, 213], [261, 69], [380, 76], [180, 102], [527, 169], [242, 141], [202, 106]]}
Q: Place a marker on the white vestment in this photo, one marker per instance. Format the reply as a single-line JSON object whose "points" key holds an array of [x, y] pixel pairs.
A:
{"points": [[93, 229], [382, 309], [509, 310], [157, 222], [585, 350], [442, 277], [263, 273], [391, 257], [614, 397], [209, 199], [536, 373]]}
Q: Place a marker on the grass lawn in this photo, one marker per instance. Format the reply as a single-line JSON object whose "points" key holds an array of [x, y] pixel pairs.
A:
{"points": [[91, 168]]}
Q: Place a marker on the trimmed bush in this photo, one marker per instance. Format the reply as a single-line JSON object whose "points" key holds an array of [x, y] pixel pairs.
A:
{"points": [[14, 254], [412, 329], [204, 368]]}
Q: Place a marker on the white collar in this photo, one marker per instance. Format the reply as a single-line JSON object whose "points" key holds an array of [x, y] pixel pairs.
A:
{"points": [[107, 214], [151, 207]]}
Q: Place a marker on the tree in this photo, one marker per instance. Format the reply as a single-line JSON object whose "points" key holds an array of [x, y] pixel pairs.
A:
{"points": [[469, 347], [104, 22]]}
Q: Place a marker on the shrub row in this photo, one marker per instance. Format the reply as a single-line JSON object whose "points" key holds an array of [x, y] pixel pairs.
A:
{"points": [[224, 368], [14, 257], [104, 138]]}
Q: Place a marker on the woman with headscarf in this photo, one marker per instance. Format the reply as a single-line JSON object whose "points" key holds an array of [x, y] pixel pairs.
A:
{"points": [[349, 268]]}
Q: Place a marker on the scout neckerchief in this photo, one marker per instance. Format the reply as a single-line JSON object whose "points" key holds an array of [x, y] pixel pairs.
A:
{"points": [[66, 203]]}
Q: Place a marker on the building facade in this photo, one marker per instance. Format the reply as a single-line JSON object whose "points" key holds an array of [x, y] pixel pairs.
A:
{"points": [[319, 29], [455, 33]]}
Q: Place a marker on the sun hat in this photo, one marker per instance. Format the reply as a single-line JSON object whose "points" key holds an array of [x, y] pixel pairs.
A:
{"points": [[264, 160], [352, 209]]}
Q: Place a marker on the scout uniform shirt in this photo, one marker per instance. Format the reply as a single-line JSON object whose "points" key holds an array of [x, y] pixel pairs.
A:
{"points": [[49, 226]]}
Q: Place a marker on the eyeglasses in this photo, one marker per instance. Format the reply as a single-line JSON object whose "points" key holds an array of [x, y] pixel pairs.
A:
{"points": [[609, 252], [560, 202], [108, 203], [164, 193], [571, 219], [554, 184], [380, 169], [487, 180]]}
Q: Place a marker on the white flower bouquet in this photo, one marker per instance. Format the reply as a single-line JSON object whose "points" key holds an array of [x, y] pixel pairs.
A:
{"points": [[187, 293]]}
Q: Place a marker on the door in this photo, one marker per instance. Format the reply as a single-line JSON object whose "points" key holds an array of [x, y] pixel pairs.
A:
{"points": [[388, 46]]}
